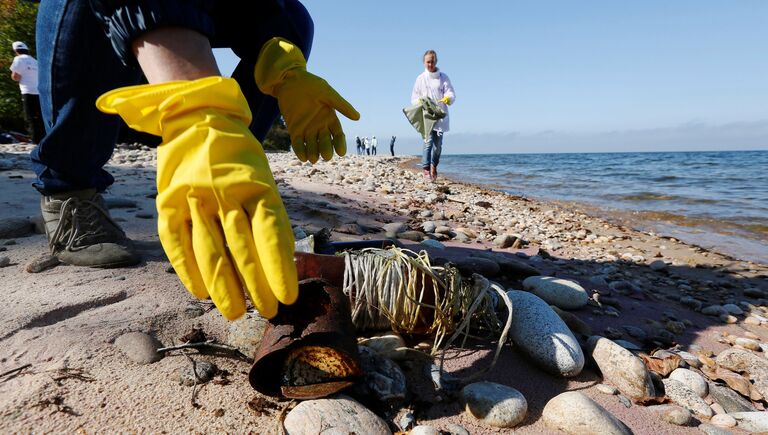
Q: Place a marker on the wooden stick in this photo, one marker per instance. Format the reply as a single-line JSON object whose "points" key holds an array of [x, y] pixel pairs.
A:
{"points": [[15, 370]]}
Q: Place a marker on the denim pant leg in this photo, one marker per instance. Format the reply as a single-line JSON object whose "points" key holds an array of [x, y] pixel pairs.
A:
{"points": [[238, 29], [437, 147], [76, 65], [426, 152]]}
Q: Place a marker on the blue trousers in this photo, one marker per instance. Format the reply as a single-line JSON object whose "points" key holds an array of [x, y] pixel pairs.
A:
{"points": [[430, 154], [77, 63]]}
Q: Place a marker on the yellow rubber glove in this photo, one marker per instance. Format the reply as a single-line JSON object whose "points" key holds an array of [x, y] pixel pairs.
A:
{"points": [[446, 99], [307, 102], [221, 220]]}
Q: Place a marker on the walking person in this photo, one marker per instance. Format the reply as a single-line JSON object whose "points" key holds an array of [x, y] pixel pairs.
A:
{"points": [[221, 220], [359, 145], [436, 85], [24, 71], [367, 145], [392, 146], [374, 143]]}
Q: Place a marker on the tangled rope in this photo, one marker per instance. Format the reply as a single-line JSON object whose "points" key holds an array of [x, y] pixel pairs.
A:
{"points": [[400, 290]]}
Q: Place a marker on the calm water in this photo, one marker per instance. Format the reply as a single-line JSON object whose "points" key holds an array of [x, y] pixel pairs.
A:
{"points": [[717, 200]]}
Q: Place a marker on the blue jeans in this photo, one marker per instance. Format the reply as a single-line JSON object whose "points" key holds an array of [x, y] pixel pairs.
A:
{"points": [[433, 146], [77, 64]]}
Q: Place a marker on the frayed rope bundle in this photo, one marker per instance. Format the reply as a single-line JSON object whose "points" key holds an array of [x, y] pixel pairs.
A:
{"points": [[389, 288]]}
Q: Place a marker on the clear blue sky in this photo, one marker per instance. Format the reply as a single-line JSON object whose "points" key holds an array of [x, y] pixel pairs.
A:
{"points": [[554, 75]]}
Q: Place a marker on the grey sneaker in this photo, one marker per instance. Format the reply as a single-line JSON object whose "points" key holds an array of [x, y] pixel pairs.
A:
{"points": [[81, 232]]}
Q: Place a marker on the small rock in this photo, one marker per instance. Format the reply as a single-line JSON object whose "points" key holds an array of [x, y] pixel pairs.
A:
{"points": [[747, 343], [658, 265], [713, 310], [246, 333], [414, 236], [193, 310], [733, 309], [692, 380], [42, 263], [456, 429], [751, 421], [504, 241], [335, 415], [433, 244], [4, 261], [723, 420], [730, 400], [495, 404], [12, 227], [562, 293], [710, 429], [139, 347], [673, 414], [383, 379], [388, 344], [740, 361], [607, 389], [621, 368], [394, 228], [687, 398], [424, 430], [428, 227], [202, 372], [543, 336], [576, 414], [469, 265]]}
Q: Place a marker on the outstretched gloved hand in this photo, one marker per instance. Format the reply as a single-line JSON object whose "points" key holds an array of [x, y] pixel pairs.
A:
{"points": [[307, 102], [446, 99], [221, 220]]}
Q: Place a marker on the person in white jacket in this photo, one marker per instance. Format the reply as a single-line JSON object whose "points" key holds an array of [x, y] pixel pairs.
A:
{"points": [[436, 85], [374, 143]]}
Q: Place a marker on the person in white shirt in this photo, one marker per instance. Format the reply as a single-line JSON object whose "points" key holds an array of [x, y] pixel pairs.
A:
{"points": [[24, 71], [436, 85], [367, 144], [374, 142]]}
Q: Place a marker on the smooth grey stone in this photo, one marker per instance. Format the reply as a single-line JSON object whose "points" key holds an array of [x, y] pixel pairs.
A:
{"points": [[350, 228], [562, 293], [673, 414], [751, 421], [714, 310], [12, 227], [424, 430], [711, 429], [442, 229], [335, 415], [119, 202], [415, 236], [139, 347], [495, 404], [733, 309], [246, 333], [383, 379], [621, 368], [504, 241], [576, 414], [730, 400], [687, 398], [658, 265], [428, 227], [543, 336], [691, 379], [203, 372], [456, 429], [392, 229]]}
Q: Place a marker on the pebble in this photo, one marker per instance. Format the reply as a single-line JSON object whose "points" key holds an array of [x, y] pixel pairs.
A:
{"points": [[543, 336], [495, 404], [607, 389], [751, 421], [139, 347], [723, 420], [621, 368], [414, 236], [383, 379], [658, 265], [203, 372], [392, 229], [710, 429], [562, 293], [714, 310], [428, 227], [733, 309], [424, 430], [335, 415], [504, 241], [4, 261], [673, 414], [576, 414], [692, 380], [193, 310], [456, 429], [433, 244], [246, 333], [730, 400], [747, 343], [13, 227], [687, 398]]}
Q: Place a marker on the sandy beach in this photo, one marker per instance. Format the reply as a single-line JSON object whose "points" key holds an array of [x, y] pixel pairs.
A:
{"points": [[63, 322]]}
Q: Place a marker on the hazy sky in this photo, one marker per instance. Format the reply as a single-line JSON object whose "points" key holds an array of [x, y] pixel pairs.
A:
{"points": [[554, 75]]}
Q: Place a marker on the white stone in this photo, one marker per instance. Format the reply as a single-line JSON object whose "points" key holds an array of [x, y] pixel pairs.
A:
{"points": [[562, 293], [621, 368], [495, 404], [336, 415], [751, 421], [687, 398], [692, 380], [540, 333], [723, 420], [576, 414]]}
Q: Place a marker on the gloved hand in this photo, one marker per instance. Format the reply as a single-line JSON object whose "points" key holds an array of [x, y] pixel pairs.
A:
{"points": [[307, 102], [446, 99], [221, 220]]}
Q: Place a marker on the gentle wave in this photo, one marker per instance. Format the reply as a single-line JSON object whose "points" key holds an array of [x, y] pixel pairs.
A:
{"points": [[720, 197]]}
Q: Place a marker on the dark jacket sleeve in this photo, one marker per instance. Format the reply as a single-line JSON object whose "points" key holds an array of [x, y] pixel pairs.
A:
{"points": [[124, 20]]}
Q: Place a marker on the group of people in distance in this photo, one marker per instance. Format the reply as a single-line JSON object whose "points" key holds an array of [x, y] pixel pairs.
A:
{"points": [[367, 147]]}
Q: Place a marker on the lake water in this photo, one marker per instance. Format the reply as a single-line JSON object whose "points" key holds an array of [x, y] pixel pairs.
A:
{"points": [[717, 200]]}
